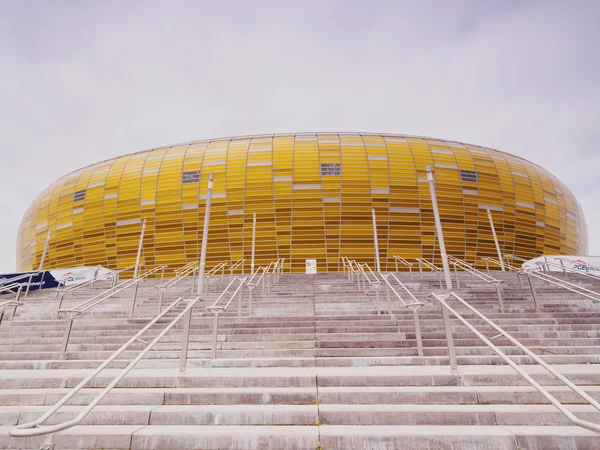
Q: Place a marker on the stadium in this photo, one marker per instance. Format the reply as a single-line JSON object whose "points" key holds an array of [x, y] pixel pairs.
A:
{"points": [[293, 317], [313, 196]]}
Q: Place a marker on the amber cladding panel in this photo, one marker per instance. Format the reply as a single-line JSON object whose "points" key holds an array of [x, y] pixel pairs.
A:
{"points": [[313, 196]]}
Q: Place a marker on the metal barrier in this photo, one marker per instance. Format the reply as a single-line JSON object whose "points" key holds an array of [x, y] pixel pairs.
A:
{"points": [[90, 303], [454, 365], [3, 306], [66, 290], [423, 262], [253, 282], [212, 273], [11, 283], [235, 265], [180, 274], [36, 427], [404, 262], [372, 280], [588, 293], [216, 310], [414, 305], [465, 266]]}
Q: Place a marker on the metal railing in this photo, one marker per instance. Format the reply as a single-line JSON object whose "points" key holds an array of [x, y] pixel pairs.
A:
{"points": [[12, 282], [368, 276], [11, 288], [216, 309], [414, 304], [253, 282], [213, 273], [90, 303], [404, 262], [36, 427], [465, 266], [6, 303], [68, 289], [274, 269], [180, 274], [432, 267], [446, 309], [235, 265], [549, 279]]}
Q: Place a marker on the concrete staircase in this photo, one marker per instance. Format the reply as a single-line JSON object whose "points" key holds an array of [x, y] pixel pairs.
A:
{"points": [[314, 367]]}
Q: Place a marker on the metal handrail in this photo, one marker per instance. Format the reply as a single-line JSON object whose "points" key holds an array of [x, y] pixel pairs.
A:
{"points": [[404, 262], [84, 306], [573, 260], [465, 266], [6, 303], [212, 272], [216, 310], [568, 269], [35, 427], [251, 280], [235, 265], [215, 269], [414, 306], [376, 281], [588, 293], [454, 365], [593, 295], [502, 264], [18, 277], [423, 262], [68, 289], [180, 274]]}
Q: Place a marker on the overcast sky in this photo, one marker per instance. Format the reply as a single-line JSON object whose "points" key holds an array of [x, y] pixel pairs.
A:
{"points": [[82, 81]]}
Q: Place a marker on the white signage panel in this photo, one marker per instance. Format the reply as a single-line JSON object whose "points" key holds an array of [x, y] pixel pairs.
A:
{"points": [[555, 263], [311, 266]]}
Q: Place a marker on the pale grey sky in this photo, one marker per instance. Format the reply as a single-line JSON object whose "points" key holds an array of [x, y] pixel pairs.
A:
{"points": [[83, 81]]}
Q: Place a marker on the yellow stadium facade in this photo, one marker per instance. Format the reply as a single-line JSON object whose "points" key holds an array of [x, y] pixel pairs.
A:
{"points": [[313, 195]]}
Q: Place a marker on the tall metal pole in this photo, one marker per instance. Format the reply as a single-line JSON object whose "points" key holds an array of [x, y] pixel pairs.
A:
{"points": [[253, 243], [139, 253], [41, 264], [438, 225], [489, 213], [375, 241], [205, 233]]}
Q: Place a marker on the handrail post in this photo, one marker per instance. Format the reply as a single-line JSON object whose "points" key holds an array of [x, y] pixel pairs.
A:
{"points": [[160, 299], [449, 339], [250, 289], [499, 297], [28, 285], [487, 267], [396, 261], [162, 274], [60, 302], [185, 341], [215, 332], [533, 291], [41, 265], [222, 275], [66, 336], [410, 271], [562, 264], [418, 332], [240, 299], [456, 276], [420, 268], [389, 299], [135, 292], [377, 300]]}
